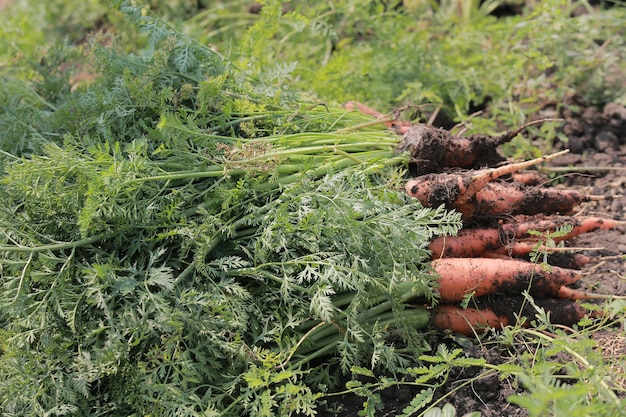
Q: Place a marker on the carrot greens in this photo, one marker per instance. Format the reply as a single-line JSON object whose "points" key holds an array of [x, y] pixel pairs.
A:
{"points": [[180, 241]]}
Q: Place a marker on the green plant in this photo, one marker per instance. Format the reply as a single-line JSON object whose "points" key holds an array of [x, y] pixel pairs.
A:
{"points": [[187, 240], [190, 234]]}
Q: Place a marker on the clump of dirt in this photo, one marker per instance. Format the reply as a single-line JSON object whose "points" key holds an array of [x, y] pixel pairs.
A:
{"points": [[597, 165]]}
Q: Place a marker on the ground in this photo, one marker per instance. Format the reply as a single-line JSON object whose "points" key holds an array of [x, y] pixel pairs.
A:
{"points": [[597, 166]]}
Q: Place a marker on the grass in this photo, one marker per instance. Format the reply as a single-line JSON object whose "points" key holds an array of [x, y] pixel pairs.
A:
{"points": [[437, 56]]}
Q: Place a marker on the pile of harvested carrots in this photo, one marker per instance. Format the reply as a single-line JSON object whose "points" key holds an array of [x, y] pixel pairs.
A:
{"points": [[508, 215]]}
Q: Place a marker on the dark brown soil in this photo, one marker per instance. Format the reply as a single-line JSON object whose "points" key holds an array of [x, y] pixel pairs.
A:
{"points": [[596, 165]]}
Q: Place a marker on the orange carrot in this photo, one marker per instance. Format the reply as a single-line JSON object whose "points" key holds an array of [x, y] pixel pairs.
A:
{"points": [[590, 224], [459, 277], [473, 242], [468, 243], [529, 177], [468, 192], [555, 256], [465, 321], [500, 312], [511, 198], [575, 294]]}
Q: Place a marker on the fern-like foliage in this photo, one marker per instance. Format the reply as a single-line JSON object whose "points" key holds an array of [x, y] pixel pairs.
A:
{"points": [[184, 239]]}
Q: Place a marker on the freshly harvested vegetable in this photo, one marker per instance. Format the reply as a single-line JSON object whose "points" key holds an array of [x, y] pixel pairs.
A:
{"points": [[473, 193], [433, 148], [556, 256], [528, 177], [498, 312], [461, 277], [514, 235], [466, 321], [497, 198], [569, 293]]}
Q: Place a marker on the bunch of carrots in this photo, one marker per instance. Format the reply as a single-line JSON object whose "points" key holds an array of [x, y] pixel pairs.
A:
{"points": [[508, 215]]}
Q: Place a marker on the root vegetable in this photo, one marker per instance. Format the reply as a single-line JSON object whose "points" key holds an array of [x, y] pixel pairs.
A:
{"points": [[468, 192], [474, 242], [466, 321], [555, 256], [528, 177], [468, 243], [560, 259], [497, 313], [432, 149], [511, 198], [460, 277], [575, 294], [568, 260]]}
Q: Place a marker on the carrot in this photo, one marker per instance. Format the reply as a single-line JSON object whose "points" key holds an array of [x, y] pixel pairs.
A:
{"points": [[466, 192], [468, 243], [524, 224], [459, 277], [575, 294], [473, 242], [511, 198], [466, 321], [591, 224], [568, 260], [527, 177], [555, 256], [432, 148], [498, 313]]}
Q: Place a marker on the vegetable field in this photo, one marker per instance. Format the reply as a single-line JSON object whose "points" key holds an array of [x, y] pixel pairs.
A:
{"points": [[334, 208]]}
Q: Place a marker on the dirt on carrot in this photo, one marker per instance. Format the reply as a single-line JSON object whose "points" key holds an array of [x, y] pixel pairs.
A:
{"points": [[462, 277], [497, 312], [511, 236], [433, 148]]}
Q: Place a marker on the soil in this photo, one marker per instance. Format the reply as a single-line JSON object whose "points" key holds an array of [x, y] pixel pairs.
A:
{"points": [[596, 165]]}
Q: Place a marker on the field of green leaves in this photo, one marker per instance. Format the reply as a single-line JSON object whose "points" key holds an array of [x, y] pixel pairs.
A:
{"points": [[191, 224]]}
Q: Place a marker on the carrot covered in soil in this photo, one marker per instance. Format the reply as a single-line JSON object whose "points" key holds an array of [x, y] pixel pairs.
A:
{"points": [[466, 321], [474, 193], [512, 198], [473, 242], [460, 277], [432, 148], [497, 313], [528, 177]]}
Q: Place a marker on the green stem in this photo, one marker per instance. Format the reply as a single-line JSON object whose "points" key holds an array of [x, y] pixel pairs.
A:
{"points": [[55, 246]]}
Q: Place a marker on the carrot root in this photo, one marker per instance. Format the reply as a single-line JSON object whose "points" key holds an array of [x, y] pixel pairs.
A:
{"points": [[432, 148], [513, 238], [501, 312], [460, 277], [575, 294], [466, 321]]}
